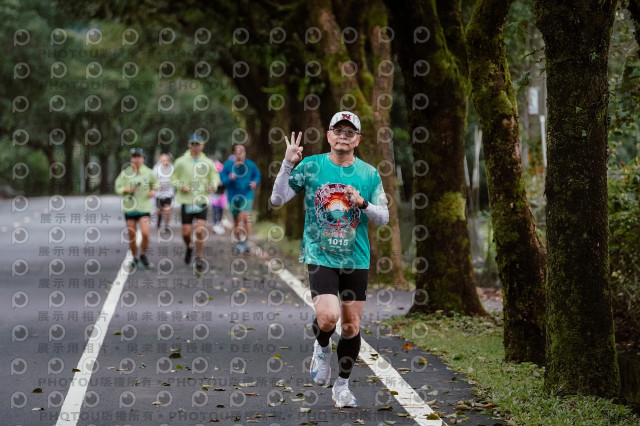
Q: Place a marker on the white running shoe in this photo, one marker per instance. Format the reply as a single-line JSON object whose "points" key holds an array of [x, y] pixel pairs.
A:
{"points": [[218, 229], [342, 395], [226, 223], [320, 368]]}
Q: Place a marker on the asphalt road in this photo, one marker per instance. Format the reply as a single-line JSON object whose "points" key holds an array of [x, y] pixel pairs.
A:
{"points": [[231, 347]]}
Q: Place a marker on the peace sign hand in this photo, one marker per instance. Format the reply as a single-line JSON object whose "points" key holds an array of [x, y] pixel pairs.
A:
{"points": [[294, 150]]}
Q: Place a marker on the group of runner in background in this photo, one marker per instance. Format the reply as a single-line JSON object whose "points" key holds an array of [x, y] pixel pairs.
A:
{"points": [[195, 182]]}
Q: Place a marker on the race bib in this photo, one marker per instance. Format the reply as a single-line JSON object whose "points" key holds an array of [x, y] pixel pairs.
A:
{"points": [[337, 240], [337, 217]]}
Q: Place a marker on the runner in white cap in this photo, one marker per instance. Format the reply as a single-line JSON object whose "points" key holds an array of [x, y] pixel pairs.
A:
{"points": [[342, 193]]}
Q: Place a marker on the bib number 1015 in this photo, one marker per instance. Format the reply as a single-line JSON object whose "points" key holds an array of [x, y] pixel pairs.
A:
{"points": [[338, 242]]}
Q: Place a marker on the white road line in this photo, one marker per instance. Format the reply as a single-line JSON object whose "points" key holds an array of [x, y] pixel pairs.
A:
{"points": [[70, 411], [406, 395]]}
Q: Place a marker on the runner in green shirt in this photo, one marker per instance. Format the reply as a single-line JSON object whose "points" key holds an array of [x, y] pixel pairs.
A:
{"points": [[341, 194], [195, 177], [137, 184]]}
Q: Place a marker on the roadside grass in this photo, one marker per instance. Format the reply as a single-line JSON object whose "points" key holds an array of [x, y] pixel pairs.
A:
{"points": [[271, 235], [473, 346]]}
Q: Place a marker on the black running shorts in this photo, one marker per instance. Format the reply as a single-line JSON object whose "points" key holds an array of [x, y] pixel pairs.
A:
{"points": [[188, 217], [135, 216], [161, 202], [347, 284]]}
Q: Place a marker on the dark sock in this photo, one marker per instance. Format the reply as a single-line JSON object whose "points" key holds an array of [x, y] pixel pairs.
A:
{"points": [[322, 336], [348, 349], [159, 219]]}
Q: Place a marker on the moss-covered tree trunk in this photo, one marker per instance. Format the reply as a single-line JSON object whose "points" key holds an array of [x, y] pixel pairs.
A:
{"points": [[430, 35], [354, 86], [389, 244], [520, 255], [581, 353]]}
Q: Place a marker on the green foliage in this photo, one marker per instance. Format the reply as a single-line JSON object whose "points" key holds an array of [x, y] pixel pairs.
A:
{"points": [[473, 346], [624, 248], [624, 81], [94, 103], [16, 162]]}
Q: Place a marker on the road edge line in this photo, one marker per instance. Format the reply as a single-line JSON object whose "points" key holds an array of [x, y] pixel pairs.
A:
{"points": [[390, 377]]}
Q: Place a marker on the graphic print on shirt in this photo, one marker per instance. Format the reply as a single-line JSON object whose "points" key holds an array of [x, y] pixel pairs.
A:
{"points": [[130, 200], [337, 217]]}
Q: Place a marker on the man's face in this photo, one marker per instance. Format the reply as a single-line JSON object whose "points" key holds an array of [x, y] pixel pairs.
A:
{"points": [[341, 143], [164, 159], [196, 148], [137, 160], [241, 153]]}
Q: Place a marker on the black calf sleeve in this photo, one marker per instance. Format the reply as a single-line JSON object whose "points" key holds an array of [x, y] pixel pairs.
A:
{"points": [[322, 336], [348, 349]]}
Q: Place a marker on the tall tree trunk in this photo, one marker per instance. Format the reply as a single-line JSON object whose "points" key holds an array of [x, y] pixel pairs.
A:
{"points": [[65, 183], [581, 353], [520, 255], [263, 157], [49, 153], [389, 244], [314, 129], [448, 277], [105, 183]]}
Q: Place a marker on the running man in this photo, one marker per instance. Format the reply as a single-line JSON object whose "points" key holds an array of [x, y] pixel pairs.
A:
{"points": [[194, 178], [342, 193], [164, 195], [137, 184], [241, 177]]}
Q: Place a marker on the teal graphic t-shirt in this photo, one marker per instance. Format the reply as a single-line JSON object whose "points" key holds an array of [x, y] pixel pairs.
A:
{"points": [[335, 231]]}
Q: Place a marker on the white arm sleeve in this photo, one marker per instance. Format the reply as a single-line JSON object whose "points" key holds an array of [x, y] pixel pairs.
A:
{"points": [[282, 192], [378, 213]]}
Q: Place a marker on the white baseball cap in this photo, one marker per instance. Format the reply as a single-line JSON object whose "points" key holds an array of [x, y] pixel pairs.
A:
{"points": [[345, 116]]}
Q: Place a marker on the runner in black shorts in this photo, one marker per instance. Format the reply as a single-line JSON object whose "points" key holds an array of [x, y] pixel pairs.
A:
{"points": [[342, 193], [137, 184], [194, 178]]}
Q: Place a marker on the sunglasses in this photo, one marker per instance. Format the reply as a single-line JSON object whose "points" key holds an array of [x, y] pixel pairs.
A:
{"points": [[347, 132]]}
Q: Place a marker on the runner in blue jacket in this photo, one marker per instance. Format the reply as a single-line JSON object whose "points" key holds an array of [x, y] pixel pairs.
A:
{"points": [[241, 177]]}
